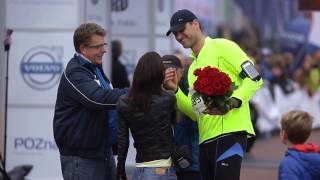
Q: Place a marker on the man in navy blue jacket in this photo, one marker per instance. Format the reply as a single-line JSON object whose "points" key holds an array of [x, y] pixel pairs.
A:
{"points": [[85, 95]]}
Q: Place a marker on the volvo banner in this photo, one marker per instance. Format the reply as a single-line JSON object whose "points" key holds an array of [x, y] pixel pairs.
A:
{"points": [[34, 73], [41, 46]]}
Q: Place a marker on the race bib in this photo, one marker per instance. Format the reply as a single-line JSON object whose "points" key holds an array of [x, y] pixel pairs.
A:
{"points": [[198, 105]]}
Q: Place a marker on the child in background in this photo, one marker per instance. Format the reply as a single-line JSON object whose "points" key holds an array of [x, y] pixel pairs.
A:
{"points": [[302, 160]]}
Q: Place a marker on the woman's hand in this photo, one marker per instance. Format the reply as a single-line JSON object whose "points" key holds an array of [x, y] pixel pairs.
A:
{"points": [[170, 79]]}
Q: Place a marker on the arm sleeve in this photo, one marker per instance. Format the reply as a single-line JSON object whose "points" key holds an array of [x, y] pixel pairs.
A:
{"points": [[123, 141], [247, 89], [83, 89], [233, 58], [185, 105]]}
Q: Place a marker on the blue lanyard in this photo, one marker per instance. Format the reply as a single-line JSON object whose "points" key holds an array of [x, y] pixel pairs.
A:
{"points": [[104, 83]]}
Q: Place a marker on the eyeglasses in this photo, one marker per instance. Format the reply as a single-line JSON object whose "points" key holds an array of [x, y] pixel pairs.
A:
{"points": [[99, 46]]}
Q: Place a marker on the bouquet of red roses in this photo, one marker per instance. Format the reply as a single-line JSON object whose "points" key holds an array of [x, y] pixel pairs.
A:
{"points": [[213, 86]]}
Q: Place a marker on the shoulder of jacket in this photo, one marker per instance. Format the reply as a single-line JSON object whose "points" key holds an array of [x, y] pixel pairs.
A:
{"points": [[222, 42], [74, 65]]}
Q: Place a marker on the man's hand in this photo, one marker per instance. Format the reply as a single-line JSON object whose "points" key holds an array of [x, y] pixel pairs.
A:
{"points": [[231, 104], [170, 79], [218, 111]]}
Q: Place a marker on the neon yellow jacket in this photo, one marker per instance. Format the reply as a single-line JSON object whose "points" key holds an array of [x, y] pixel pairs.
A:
{"points": [[228, 57]]}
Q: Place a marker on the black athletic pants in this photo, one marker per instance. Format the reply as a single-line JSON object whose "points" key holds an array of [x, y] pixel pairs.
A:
{"points": [[221, 157]]}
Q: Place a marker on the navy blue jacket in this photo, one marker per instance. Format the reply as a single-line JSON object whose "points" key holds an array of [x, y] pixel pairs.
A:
{"points": [[80, 121], [186, 131], [300, 165]]}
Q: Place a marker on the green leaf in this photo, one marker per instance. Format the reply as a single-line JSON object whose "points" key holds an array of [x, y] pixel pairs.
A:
{"points": [[234, 86]]}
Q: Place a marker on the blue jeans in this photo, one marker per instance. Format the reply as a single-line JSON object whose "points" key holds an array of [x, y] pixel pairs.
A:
{"points": [[78, 168], [151, 173]]}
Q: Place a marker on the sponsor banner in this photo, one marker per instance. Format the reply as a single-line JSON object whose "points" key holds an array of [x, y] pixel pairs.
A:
{"points": [[43, 14], [129, 17], [314, 36], [163, 14], [202, 8], [205, 10], [36, 63], [96, 11], [30, 141]]}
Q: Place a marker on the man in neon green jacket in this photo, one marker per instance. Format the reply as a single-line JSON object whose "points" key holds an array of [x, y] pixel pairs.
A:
{"points": [[222, 135]]}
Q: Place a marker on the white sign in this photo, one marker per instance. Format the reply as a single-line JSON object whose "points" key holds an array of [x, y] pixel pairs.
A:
{"points": [[35, 67], [163, 14], [30, 142], [130, 17], [44, 14], [314, 36], [96, 11], [205, 10]]}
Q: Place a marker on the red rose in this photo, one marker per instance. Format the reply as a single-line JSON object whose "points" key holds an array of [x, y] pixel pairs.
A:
{"points": [[213, 83]]}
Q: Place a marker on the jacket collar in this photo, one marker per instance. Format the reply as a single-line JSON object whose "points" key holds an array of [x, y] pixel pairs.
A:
{"points": [[193, 55], [309, 147], [84, 61]]}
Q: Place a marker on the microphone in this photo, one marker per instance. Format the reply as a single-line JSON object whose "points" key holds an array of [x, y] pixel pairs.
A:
{"points": [[7, 40]]}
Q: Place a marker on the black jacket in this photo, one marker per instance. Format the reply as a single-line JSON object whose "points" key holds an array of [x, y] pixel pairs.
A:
{"points": [[80, 121], [151, 131]]}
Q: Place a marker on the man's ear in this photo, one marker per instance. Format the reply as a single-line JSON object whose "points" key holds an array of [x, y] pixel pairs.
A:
{"points": [[196, 22], [83, 49]]}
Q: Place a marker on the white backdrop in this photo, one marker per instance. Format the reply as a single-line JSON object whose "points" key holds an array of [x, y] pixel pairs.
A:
{"points": [[32, 94], [49, 14], [132, 19], [41, 46], [30, 141], [314, 36]]}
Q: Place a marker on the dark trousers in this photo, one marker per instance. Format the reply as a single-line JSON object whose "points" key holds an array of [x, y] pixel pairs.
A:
{"points": [[188, 175], [220, 158]]}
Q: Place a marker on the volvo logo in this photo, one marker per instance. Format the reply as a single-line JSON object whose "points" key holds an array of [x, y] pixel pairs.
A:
{"points": [[41, 67]]}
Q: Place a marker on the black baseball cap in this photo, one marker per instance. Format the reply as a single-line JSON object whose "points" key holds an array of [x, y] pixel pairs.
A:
{"points": [[179, 19], [171, 61]]}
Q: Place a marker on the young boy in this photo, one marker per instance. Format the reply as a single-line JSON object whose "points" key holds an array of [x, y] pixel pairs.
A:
{"points": [[302, 161]]}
